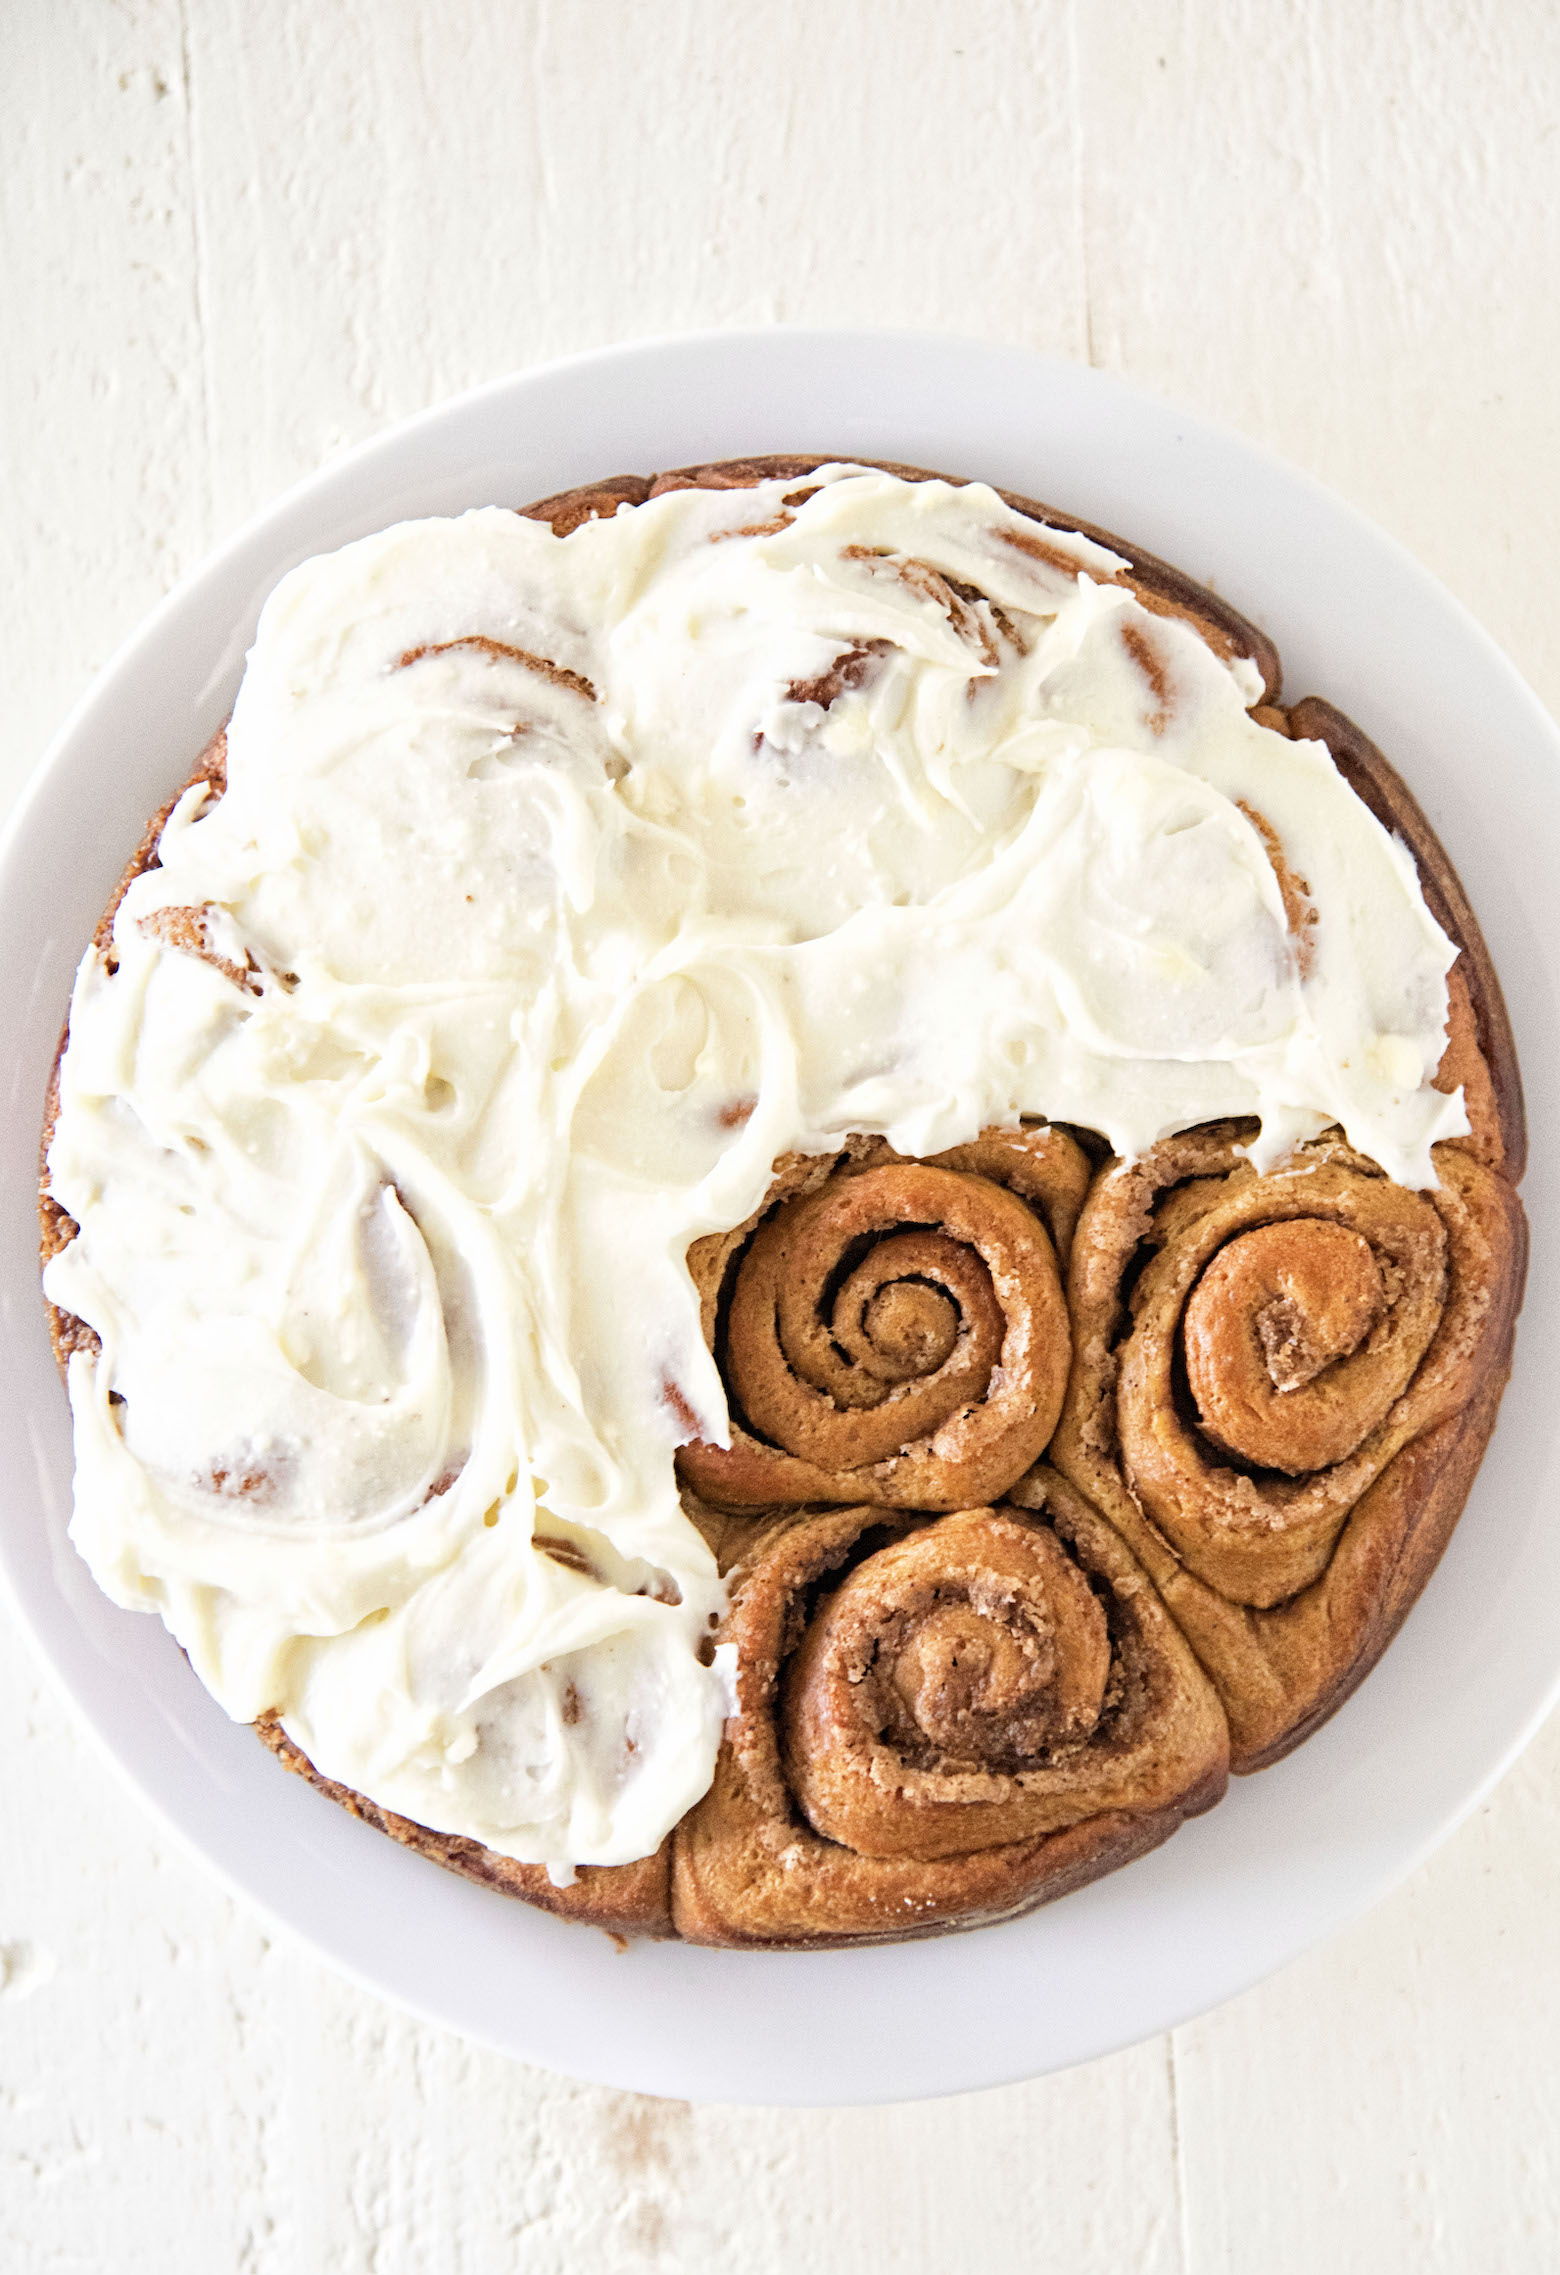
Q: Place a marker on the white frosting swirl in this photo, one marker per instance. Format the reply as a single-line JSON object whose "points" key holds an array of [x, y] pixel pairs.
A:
{"points": [[558, 888]]}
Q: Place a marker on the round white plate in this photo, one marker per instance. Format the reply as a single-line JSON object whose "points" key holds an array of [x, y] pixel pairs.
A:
{"points": [[1290, 1855]]}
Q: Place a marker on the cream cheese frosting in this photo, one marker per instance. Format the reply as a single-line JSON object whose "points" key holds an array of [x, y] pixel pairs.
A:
{"points": [[558, 888]]}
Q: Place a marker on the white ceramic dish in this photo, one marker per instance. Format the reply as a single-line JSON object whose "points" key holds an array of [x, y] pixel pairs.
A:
{"points": [[1289, 1855]]}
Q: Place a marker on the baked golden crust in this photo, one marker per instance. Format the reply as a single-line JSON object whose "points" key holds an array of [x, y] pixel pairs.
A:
{"points": [[747, 1865]]}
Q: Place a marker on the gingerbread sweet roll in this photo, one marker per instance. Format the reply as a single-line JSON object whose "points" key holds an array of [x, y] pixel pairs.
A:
{"points": [[940, 1722], [892, 1332], [1275, 1378], [1157, 586]]}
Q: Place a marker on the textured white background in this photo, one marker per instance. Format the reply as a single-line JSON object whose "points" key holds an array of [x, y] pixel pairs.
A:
{"points": [[235, 238]]}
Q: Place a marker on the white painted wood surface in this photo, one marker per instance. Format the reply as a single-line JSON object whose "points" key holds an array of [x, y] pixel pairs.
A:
{"points": [[236, 238]]}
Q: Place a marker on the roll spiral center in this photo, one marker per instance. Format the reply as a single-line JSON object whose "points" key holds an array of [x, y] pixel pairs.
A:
{"points": [[1268, 1332], [992, 1677], [911, 1327], [944, 1669]]}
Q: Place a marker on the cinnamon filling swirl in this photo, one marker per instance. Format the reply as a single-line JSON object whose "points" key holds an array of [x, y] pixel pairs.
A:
{"points": [[940, 1719], [896, 1332]]}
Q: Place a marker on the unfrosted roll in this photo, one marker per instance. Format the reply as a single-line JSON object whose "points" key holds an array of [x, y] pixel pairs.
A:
{"points": [[940, 1721], [893, 1332], [1281, 1384]]}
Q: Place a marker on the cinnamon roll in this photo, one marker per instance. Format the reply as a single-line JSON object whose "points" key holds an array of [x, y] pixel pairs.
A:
{"points": [[889, 1331], [940, 1722], [1283, 1383]]}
